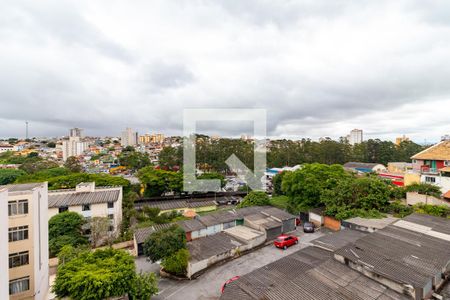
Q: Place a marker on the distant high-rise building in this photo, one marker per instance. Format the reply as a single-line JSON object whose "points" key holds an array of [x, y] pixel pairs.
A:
{"points": [[74, 146], [401, 139], [27, 241], [129, 138], [76, 132], [355, 137]]}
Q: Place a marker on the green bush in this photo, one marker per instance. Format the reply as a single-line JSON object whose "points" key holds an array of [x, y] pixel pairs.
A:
{"points": [[164, 243], [144, 286], [434, 210], [177, 263], [255, 198]]}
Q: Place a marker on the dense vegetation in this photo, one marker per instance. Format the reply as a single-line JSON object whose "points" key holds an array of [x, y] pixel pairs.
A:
{"points": [[65, 229], [102, 274], [212, 154], [255, 198]]}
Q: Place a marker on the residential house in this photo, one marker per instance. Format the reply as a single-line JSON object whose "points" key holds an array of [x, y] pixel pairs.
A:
{"points": [[433, 165], [89, 201], [27, 248]]}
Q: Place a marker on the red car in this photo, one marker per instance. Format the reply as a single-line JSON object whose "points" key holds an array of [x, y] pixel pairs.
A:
{"points": [[228, 282], [285, 241]]}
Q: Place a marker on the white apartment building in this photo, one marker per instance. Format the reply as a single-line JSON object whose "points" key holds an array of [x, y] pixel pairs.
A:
{"points": [[27, 241], [355, 137], [75, 145], [129, 138], [89, 201]]}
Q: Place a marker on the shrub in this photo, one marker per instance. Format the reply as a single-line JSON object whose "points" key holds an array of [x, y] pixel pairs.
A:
{"points": [[177, 263]]}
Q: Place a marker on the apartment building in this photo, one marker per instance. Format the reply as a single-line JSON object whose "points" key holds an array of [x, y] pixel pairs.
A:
{"points": [[75, 145], [4, 276], [129, 138], [89, 201], [27, 247]]}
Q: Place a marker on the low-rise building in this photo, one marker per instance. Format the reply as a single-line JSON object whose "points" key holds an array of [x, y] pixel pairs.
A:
{"points": [[360, 167], [89, 201], [27, 241]]}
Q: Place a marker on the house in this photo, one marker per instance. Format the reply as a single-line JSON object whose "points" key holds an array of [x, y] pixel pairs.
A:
{"points": [[193, 228], [360, 167], [26, 242], [433, 165], [89, 201]]}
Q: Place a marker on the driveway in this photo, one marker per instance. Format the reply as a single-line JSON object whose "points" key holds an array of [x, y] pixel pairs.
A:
{"points": [[208, 285]]}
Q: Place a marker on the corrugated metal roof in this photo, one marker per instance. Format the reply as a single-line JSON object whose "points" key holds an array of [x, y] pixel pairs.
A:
{"points": [[337, 240], [141, 234], [177, 204], [73, 198], [191, 225], [212, 245], [278, 213]]}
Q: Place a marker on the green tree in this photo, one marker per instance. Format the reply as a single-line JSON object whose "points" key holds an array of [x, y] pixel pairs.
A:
{"points": [[8, 176], [213, 175], [65, 229], [170, 157], [99, 227], [144, 286], [425, 189], [134, 160], [36, 164], [96, 275], [176, 263], [164, 243], [158, 182], [73, 165], [255, 198], [305, 186], [276, 181], [51, 144]]}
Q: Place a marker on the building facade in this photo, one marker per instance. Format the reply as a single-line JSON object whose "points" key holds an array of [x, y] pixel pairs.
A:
{"points": [[4, 249], [129, 138], [355, 137], [90, 202], [433, 165], [75, 145], [27, 241]]}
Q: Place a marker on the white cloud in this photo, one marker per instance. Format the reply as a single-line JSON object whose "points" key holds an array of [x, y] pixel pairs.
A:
{"points": [[319, 68]]}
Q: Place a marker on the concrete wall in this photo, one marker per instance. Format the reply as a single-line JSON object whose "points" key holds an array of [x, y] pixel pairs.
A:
{"points": [[316, 219], [415, 198], [332, 223]]}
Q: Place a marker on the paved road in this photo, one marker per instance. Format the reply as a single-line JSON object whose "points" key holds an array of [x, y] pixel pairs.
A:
{"points": [[207, 286]]}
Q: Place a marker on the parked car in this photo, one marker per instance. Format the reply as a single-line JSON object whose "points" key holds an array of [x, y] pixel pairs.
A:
{"points": [[308, 227], [228, 282], [285, 241]]}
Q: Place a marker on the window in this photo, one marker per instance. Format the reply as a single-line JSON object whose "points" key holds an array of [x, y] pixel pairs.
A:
{"points": [[17, 207], [447, 163], [110, 204], [430, 179], [111, 216], [18, 233], [86, 207], [111, 228], [19, 285], [63, 209], [18, 259]]}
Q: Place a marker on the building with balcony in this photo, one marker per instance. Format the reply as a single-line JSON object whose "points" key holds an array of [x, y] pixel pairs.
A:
{"points": [[433, 165], [26, 244], [89, 201]]}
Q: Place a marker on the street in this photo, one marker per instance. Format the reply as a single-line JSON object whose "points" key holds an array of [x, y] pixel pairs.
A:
{"points": [[208, 285]]}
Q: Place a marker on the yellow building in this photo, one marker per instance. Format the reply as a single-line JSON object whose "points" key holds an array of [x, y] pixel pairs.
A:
{"points": [[411, 178]]}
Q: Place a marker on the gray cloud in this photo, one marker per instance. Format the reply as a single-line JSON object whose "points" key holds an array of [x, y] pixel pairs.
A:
{"points": [[319, 68]]}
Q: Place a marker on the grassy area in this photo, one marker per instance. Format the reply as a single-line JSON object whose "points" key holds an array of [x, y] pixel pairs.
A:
{"points": [[280, 202]]}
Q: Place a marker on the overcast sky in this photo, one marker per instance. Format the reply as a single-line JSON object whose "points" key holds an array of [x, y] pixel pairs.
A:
{"points": [[320, 68]]}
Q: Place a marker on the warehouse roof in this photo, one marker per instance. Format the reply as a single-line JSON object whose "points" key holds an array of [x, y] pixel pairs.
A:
{"points": [[401, 255], [141, 234], [277, 214], [440, 151], [191, 225], [334, 241], [178, 204], [80, 198], [311, 274], [212, 245]]}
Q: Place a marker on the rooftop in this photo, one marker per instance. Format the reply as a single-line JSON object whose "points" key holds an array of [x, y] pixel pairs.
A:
{"points": [[178, 204], [212, 245], [141, 234], [372, 223], [440, 151], [81, 198], [243, 233], [24, 187], [334, 241], [191, 225], [354, 165]]}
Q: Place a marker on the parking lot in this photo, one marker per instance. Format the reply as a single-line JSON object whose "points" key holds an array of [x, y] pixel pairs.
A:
{"points": [[208, 285]]}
